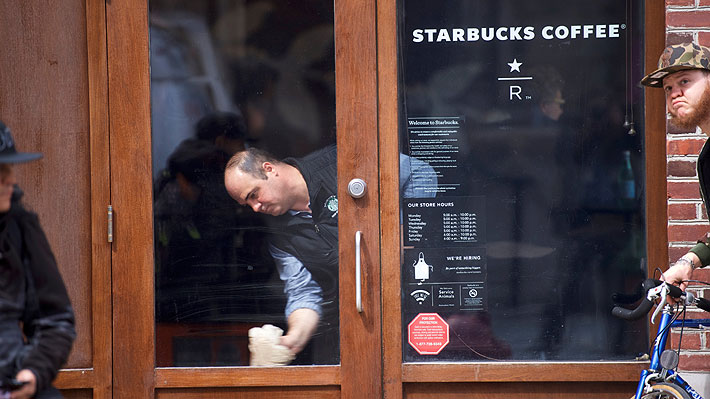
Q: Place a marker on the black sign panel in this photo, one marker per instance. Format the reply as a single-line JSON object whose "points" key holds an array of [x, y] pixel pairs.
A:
{"points": [[446, 221], [527, 112], [435, 140], [444, 279]]}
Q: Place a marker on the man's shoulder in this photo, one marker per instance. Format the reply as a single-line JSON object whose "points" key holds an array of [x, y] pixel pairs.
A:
{"points": [[704, 151], [323, 158], [319, 168]]}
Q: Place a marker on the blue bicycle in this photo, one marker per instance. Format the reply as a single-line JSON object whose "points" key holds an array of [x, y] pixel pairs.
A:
{"points": [[661, 380]]}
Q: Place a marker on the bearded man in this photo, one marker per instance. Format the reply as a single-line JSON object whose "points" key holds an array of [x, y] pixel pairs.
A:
{"points": [[684, 74]]}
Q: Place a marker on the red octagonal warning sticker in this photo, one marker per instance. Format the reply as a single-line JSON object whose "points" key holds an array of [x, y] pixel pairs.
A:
{"points": [[428, 333]]}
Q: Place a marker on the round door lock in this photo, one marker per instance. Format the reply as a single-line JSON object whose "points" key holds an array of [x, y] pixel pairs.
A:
{"points": [[357, 188]]}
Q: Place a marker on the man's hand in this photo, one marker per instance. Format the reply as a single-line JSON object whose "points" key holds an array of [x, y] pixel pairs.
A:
{"points": [[28, 390], [302, 323], [681, 271]]}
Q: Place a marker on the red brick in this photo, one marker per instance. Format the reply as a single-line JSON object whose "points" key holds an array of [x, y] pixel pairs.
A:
{"points": [[704, 37], [681, 168], [703, 275], [688, 19], [691, 340], [681, 3], [704, 3], [678, 38], [695, 361], [687, 232], [683, 190], [682, 212], [684, 147]]}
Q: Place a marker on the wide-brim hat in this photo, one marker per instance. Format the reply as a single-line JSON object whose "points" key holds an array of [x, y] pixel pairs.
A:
{"points": [[8, 152], [678, 57]]}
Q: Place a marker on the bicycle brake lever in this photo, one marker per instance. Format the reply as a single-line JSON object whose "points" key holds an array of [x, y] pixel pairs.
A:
{"points": [[663, 294], [688, 298]]}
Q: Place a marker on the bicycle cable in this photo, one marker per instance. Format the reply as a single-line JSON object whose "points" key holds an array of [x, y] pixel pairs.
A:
{"points": [[658, 271], [680, 335], [697, 282], [664, 331]]}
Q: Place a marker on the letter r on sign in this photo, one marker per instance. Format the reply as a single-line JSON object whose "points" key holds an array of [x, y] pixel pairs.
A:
{"points": [[515, 91]]}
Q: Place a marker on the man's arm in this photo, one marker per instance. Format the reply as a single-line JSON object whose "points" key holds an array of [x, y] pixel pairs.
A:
{"points": [[303, 300], [302, 323], [682, 269]]}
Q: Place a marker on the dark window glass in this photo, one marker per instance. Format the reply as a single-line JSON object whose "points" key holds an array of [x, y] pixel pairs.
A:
{"points": [[227, 75], [530, 115]]}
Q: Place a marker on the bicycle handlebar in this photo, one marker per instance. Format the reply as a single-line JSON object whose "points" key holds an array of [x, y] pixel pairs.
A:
{"points": [[635, 314], [646, 304], [621, 298], [674, 291], [703, 304]]}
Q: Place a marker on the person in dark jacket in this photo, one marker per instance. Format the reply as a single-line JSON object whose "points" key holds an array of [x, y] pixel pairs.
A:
{"points": [[36, 317], [301, 195], [684, 74]]}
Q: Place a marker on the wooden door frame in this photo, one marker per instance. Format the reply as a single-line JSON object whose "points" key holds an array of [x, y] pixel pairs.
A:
{"points": [[131, 195], [98, 377], [356, 118], [398, 374], [134, 371]]}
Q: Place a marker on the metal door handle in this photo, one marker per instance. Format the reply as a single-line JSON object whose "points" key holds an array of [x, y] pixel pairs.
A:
{"points": [[357, 188], [358, 283]]}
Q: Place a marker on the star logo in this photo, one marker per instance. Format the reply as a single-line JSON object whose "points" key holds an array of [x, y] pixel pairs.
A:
{"points": [[515, 65]]}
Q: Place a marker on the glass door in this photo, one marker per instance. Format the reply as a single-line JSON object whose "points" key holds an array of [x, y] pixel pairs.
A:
{"points": [[273, 263], [255, 79]]}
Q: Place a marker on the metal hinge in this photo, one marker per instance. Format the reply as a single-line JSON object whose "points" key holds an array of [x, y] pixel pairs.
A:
{"points": [[110, 223]]}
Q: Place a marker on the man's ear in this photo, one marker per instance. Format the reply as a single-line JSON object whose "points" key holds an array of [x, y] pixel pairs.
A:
{"points": [[268, 167]]}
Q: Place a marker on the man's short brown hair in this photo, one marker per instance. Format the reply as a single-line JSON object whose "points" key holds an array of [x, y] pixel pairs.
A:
{"points": [[250, 160]]}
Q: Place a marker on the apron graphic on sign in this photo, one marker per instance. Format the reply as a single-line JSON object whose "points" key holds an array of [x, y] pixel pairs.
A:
{"points": [[421, 269]]}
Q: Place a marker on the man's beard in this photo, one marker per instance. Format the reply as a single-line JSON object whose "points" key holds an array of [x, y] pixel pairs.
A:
{"points": [[699, 114]]}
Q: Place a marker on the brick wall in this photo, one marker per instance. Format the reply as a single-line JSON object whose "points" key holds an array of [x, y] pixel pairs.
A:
{"points": [[687, 20]]}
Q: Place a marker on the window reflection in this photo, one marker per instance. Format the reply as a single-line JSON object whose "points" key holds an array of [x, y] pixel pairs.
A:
{"points": [[538, 218], [225, 76]]}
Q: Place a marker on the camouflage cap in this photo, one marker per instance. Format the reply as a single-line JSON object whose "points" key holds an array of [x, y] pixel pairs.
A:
{"points": [[677, 58]]}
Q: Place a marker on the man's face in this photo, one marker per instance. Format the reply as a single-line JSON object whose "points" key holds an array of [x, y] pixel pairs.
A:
{"points": [[688, 97], [553, 108], [7, 182], [268, 196]]}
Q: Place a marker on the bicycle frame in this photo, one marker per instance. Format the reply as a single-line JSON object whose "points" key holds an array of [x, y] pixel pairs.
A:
{"points": [[655, 367]]}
